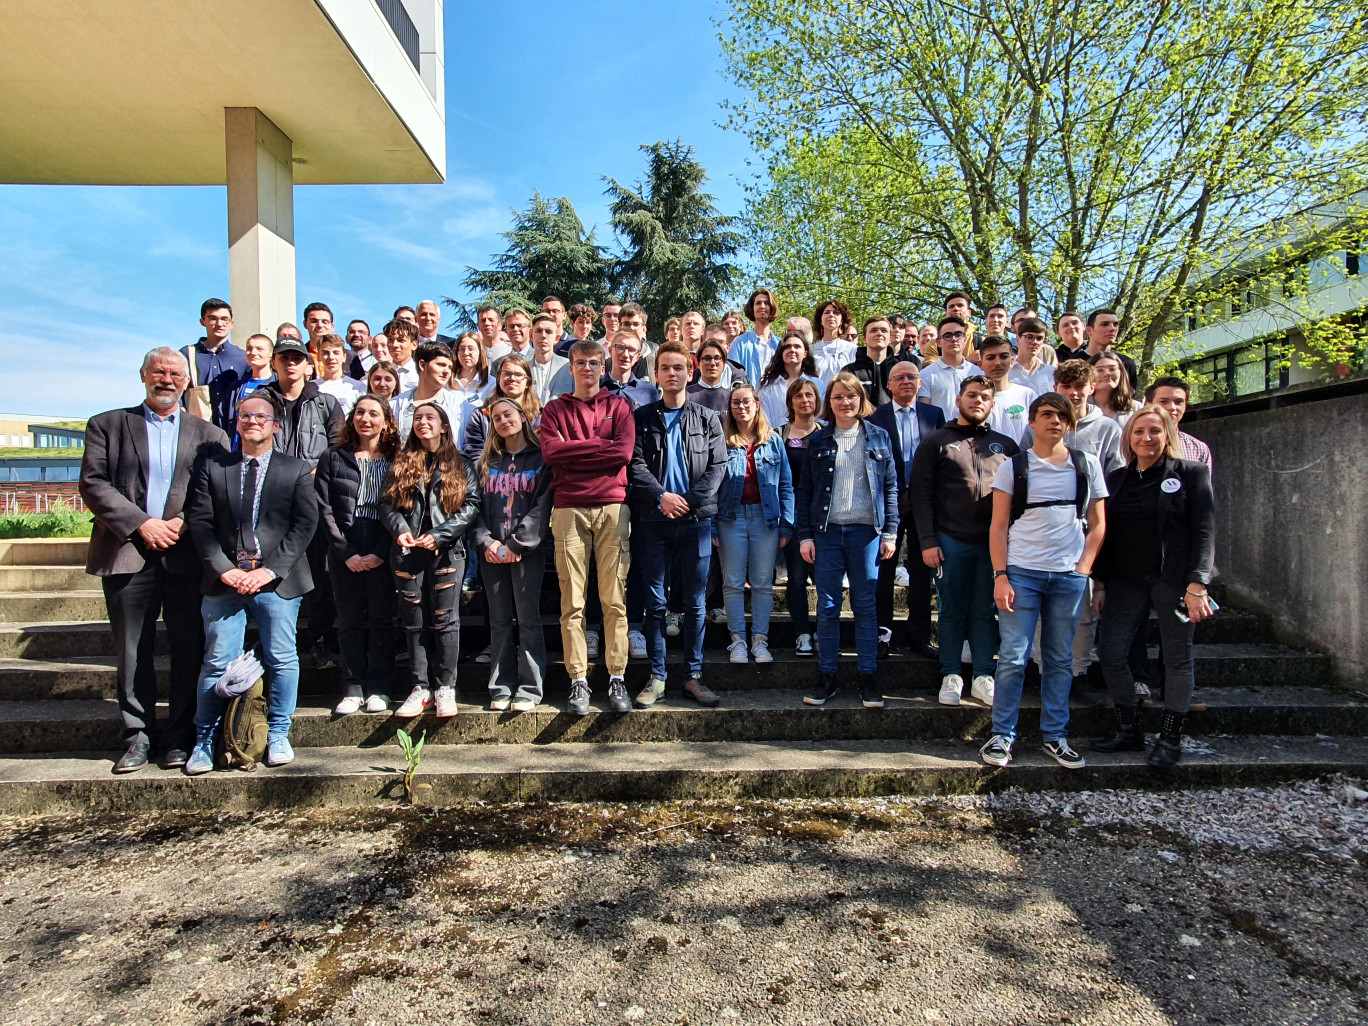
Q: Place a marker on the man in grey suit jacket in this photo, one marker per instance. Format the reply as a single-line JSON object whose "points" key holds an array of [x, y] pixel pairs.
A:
{"points": [[134, 476]]}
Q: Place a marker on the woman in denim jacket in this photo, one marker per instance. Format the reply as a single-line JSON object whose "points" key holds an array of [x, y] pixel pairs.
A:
{"points": [[754, 517], [847, 520]]}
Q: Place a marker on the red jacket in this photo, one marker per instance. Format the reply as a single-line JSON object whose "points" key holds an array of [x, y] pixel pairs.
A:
{"points": [[588, 443]]}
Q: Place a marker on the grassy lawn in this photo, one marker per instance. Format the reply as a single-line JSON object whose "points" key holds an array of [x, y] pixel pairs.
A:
{"points": [[11, 452]]}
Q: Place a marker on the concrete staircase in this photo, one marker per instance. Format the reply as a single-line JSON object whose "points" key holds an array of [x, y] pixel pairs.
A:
{"points": [[1267, 713]]}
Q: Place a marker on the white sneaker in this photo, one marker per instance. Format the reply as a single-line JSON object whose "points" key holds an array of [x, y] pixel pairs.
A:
{"points": [[636, 645], [982, 689], [500, 704], [446, 702], [900, 577], [591, 645], [350, 704], [673, 625], [418, 700], [803, 646], [951, 686], [521, 705], [760, 649], [966, 654], [737, 650], [377, 704]]}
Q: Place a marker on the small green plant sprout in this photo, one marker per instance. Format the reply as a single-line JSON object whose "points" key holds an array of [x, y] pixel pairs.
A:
{"points": [[413, 755]]}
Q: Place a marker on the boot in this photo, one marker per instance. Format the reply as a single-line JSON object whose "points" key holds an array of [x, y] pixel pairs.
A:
{"points": [[1127, 737], [1169, 748]]}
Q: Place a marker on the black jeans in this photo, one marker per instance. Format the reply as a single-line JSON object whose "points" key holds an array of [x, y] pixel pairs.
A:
{"points": [[429, 586], [799, 575], [365, 612], [134, 602], [1125, 610], [319, 607], [918, 591], [514, 589]]}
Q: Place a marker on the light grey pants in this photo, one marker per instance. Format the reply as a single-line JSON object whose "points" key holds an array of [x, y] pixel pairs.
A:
{"points": [[514, 589]]}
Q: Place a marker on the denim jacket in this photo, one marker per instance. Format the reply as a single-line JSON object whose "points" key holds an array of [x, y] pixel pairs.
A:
{"points": [[819, 472], [775, 479]]}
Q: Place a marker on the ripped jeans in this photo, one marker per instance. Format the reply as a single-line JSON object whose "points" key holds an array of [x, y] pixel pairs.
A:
{"points": [[429, 586]]}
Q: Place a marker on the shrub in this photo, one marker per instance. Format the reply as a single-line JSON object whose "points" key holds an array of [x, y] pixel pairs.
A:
{"points": [[62, 521]]}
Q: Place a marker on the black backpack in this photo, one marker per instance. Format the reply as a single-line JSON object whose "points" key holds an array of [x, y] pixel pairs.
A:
{"points": [[1019, 486]]}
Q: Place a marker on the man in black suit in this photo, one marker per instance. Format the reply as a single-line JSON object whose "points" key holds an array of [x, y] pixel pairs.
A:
{"points": [[907, 423], [429, 324], [135, 472], [251, 514]]}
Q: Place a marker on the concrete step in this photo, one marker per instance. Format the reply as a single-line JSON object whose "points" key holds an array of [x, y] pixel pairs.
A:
{"points": [[44, 551], [761, 715], [352, 777], [44, 578], [1217, 666], [46, 606]]}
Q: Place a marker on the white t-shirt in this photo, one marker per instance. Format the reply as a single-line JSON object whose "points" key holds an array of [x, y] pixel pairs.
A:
{"points": [[830, 357], [1049, 538], [345, 390], [1010, 414], [941, 383], [1039, 381]]}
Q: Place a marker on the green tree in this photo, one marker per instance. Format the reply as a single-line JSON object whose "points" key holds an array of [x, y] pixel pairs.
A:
{"points": [[1061, 153], [549, 254], [677, 244]]}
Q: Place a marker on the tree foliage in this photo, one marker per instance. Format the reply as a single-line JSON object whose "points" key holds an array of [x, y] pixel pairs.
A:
{"points": [[1063, 153]]}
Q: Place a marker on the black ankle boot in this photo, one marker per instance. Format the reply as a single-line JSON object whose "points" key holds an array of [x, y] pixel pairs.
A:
{"points": [[1127, 737], [1169, 748]]}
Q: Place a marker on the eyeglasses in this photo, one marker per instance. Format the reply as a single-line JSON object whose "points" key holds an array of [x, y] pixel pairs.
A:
{"points": [[950, 336], [742, 404], [710, 359], [256, 418], [847, 398], [1032, 335]]}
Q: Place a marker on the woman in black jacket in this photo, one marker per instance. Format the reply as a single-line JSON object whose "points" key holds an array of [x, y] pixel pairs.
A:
{"points": [[430, 500], [1158, 552], [349, 481], [509, 537]]}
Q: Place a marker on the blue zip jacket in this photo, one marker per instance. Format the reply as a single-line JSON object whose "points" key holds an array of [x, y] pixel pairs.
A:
{"points": [[819, 472], [775, 480]]}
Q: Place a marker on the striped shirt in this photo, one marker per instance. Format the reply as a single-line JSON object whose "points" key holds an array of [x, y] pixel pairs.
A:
{"points": [[372, 478]]}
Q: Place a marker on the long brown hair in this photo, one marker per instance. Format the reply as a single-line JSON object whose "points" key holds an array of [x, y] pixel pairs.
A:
{"points": [[389, 434], [530, 404], [413, 467], [1121, 398], [495, 447], [851, 383], [732, 430]]}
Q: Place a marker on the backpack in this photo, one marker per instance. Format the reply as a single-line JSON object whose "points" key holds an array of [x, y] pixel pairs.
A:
{"points": [[241, 741], [1019, 486]]}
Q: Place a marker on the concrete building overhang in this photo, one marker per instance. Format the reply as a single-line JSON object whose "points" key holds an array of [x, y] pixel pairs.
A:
{"points": [[100, 93]]}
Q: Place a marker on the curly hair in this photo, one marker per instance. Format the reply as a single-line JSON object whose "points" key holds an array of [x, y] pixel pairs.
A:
{"points": [[412, 469], [840, 308], [389, 434]]}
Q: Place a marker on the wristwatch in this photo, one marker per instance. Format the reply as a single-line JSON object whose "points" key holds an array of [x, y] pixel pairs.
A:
{"points": [[999, 573]]}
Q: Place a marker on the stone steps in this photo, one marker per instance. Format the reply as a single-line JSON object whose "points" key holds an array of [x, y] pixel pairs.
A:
{"points": [[35, 727], [43, 552], [44, 577], [66, 604], [352, 777]]}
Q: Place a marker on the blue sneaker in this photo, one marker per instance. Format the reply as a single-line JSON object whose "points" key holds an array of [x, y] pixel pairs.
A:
{"points": [[201, 758], [279, 752]]}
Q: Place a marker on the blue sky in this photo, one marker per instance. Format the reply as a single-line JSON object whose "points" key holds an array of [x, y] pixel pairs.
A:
{"points": [[540, 95]]}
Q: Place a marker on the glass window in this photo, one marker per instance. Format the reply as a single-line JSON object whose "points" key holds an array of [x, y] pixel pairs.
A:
{"points": [[24, 474], [1251, 374]]}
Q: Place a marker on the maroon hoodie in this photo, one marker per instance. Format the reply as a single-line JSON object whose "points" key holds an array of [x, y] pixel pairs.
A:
{"points": [[588, 443]]}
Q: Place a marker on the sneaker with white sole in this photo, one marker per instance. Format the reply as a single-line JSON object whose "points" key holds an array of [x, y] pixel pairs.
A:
{"points": [[591, 645], [760, 649], [278, 751], [997, 752], [1060, 752], [900, 577], [673, 624], [952, 684], [485, 656], [499, 703], [737, 650], [718, 615], [982, 689], [445, 701], [523, 704], [803, 647], [349, 705], [377, 704], [636, 645], [418, 700]]}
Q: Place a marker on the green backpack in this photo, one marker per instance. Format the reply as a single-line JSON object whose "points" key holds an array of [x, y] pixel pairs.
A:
{"points": [[242, 735]]}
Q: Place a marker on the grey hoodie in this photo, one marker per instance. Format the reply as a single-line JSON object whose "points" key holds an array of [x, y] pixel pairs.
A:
{"points": [[1096, 433]]}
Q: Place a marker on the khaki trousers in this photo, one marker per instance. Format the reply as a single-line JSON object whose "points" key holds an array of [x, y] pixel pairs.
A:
{"points": [[603, 531]]}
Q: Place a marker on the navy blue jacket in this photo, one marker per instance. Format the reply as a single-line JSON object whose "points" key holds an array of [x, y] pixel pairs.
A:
{"points": [[930, 418]]}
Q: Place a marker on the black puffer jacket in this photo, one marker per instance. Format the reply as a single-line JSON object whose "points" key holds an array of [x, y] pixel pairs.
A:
{"points": [[448, 526], [338, 483]]}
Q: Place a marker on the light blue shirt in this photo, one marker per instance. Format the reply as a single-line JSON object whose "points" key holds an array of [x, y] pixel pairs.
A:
{"points": [[163, 434], [753, 353]]}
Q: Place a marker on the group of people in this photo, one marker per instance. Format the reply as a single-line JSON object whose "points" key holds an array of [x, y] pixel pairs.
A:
{"points": [[373, 478]]}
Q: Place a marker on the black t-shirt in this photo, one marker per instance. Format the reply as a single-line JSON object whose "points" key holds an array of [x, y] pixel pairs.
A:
{"points": [[1133, 523]]}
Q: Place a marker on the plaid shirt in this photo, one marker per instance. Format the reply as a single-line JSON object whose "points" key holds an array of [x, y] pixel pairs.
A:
{"points": [[1194, 449]]}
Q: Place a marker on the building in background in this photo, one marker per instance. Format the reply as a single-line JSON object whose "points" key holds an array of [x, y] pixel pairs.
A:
{"points": [[257, 95]]}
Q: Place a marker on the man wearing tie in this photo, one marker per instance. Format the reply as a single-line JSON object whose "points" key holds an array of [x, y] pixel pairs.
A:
{"points": [[907, 423], [251, 514], [135, 472]]}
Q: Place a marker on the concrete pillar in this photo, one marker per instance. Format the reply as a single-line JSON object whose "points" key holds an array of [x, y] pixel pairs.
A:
{"points": [[261, 256]]}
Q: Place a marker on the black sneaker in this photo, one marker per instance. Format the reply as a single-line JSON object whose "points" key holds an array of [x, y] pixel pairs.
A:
{"points": [[826, 689], [870, 695], [618, 699], [579, 698], [1060, 752]]}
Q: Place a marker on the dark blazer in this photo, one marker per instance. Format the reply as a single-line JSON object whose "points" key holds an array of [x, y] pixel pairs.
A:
{"points": [[704, 446], [1187, 525], [114, 488], [285, 523], [931, 419]]}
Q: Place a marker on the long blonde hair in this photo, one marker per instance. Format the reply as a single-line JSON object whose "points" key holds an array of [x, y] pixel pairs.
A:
{"points": [[763, 431], [1173, 447], [495, 448]]}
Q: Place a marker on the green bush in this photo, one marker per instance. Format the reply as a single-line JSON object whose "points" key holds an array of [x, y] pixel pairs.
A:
{"points": [[62, 521]]}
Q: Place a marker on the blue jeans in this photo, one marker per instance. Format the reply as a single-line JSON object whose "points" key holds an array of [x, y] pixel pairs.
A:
{"points": [[1054, 598], [656, 544], [225, 624], [847, 550], [964, 587], [748, 550]]}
